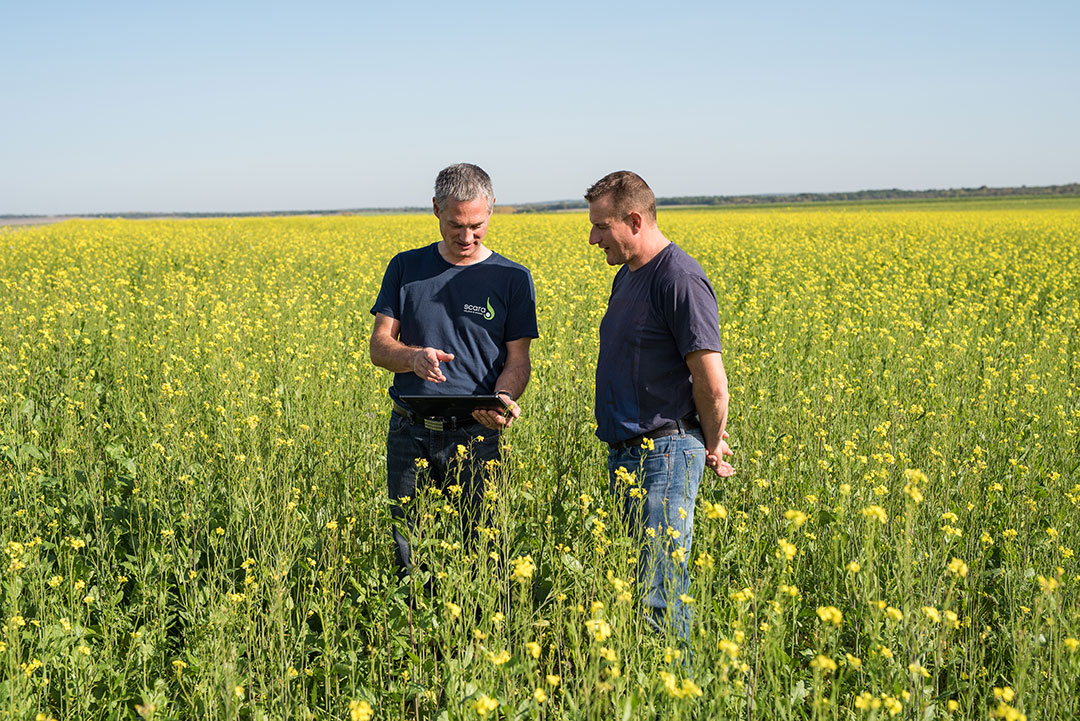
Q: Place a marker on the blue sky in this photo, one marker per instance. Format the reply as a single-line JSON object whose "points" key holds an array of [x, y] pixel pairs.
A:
{"points": [[115, 107]]}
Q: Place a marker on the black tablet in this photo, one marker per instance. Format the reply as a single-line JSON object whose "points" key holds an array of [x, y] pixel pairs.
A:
{"points": [[451, 406]]}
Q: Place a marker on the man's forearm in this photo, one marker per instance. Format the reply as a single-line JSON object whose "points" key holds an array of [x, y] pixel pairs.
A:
{"points": [[393, 355], [711, 401], [710, 389], [514, 377]]}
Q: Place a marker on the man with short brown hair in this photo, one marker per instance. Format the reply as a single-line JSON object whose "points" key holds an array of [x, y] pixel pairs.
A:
{"points": [[661, 388]]}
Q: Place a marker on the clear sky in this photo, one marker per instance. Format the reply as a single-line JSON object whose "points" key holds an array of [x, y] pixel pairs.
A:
{"points": [[246, 106]]}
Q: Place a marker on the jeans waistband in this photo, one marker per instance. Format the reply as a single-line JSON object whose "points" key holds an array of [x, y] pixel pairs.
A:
{"points": [[668, 429]]}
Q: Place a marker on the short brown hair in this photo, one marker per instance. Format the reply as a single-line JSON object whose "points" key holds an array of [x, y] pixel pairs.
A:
{"points": [[628, 191]]}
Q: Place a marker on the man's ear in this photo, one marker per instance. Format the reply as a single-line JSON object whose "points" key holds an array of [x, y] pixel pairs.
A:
{"points": [[636, 221], [435, 206]]}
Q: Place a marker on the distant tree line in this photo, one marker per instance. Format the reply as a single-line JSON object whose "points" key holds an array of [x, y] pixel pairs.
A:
{"points": [[708, 200], [774, 198]]}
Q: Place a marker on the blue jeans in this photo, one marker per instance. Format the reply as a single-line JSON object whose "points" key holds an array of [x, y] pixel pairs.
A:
{"points": [[406, 442], [662, 518]]}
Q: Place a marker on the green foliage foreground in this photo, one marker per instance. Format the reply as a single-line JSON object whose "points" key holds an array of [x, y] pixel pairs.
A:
{"points": [[195, 525]]}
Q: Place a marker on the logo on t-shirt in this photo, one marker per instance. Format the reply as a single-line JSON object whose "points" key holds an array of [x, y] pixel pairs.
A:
{"points": [[488, 312]]}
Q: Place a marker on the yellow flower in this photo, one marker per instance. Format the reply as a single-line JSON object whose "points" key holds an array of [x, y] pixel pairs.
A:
{"points": [[916, 669], [239, 692], [1049, 585], [360, 710], [499, 658], [533, 649], [826, 664], [453, 609], [1072, 644], [931, 613], [797, 518], [523, 568], [463, 452], [714, 510], [866, 702], [853, 661], [539, 696], [599, 629], [854, 567], [485, 704], [830, 614], [958, 568], [552, 680], [876, 512], [787, 549], [647, 444]]}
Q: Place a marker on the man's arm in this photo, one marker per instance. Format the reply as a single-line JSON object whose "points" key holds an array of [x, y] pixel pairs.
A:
{"points": [[711, 400], [514, 377], [390, 353]]}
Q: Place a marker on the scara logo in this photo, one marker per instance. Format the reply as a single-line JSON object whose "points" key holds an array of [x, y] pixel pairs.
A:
{"points": [[487, 312]]}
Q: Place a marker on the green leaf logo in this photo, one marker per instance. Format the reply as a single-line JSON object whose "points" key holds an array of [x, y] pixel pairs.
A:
{"points": [[490, 311]]}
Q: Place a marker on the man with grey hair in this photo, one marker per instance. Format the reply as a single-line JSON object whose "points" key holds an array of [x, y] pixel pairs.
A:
{"points": [[451, 318]]}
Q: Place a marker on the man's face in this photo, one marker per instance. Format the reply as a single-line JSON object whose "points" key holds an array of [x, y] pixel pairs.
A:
{"points": [[613, 234], [462, 225]]}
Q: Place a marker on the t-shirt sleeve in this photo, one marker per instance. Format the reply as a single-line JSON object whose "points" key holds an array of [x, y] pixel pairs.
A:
{"points": [[388, 301], [688, 307], [521, 315]]}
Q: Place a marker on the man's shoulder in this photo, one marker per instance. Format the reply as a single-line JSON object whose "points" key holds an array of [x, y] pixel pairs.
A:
{"points": [[414, 255], [501, 261], [677, 262], [678, 273]]}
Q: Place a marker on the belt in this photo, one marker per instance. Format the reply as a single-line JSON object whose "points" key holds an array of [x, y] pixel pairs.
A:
{"points": [[668, 429], [434, 424]]}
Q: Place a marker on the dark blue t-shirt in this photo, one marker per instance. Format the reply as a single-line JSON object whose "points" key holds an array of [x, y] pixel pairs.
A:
{"points": [[471, 311], [657, 315]]}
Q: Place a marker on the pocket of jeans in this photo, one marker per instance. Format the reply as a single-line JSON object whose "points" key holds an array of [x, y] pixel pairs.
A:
{"points": [[694, 465], [397, 422]]}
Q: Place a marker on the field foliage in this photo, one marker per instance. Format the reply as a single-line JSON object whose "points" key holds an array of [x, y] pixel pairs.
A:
{"points": [[193, 509]]}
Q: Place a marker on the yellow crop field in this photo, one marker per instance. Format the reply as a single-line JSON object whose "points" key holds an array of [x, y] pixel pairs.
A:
{"points": [[194, 515]]}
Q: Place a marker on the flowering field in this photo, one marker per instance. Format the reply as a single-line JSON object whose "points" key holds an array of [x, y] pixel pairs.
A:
{"points": [[194, 519]]}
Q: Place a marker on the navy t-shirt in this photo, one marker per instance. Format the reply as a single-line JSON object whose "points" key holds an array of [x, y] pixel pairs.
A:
{"points": [[471, 311], [657, 315]]}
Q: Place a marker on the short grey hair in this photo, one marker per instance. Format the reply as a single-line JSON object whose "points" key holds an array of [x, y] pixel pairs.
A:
{"points": [[463, 182]]}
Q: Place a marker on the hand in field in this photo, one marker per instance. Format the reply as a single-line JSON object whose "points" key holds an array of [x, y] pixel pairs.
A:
{"points": [[716, 461]]}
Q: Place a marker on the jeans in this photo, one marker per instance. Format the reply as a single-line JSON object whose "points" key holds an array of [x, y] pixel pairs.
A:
{"points": [[406, 443], [658, 506]]}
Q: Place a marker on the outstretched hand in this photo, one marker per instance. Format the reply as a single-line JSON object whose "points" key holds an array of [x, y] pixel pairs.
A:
{"points": [[715, 459], [425, 364]]}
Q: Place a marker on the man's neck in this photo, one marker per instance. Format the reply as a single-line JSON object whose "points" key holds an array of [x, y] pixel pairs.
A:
{"points": [[651, 245], [482, 253]]}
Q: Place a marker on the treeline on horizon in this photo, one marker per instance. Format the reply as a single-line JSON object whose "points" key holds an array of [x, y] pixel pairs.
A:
{"points": [[858, 195], [1069, 189]]}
